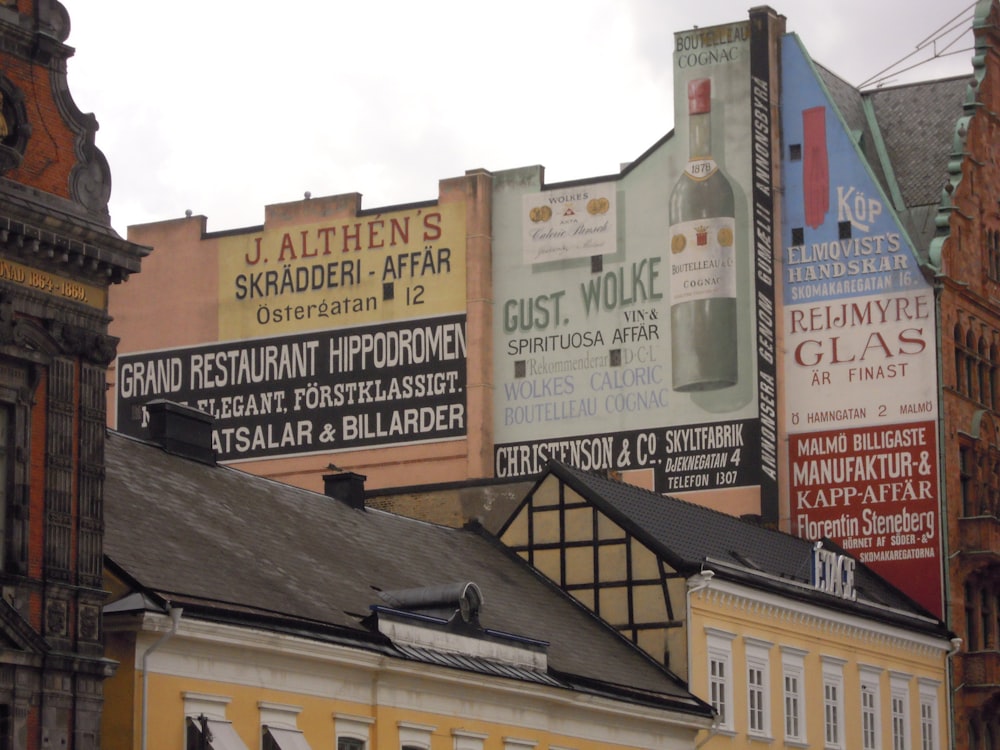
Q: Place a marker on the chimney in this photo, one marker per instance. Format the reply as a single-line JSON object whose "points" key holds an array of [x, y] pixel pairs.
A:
{"points": [[182, 430], [347, 487]]}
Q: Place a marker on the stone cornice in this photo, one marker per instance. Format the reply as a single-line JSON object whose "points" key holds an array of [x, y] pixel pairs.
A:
{"points": [[760, 607], [46, 231]]}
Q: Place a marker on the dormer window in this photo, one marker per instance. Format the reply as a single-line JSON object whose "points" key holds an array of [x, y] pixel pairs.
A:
{"points": [[433, 622]]}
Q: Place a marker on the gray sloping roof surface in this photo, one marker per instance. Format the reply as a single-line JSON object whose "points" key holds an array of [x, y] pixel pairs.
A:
{"points": [[687, 535], [917, 123], [222, 536]]}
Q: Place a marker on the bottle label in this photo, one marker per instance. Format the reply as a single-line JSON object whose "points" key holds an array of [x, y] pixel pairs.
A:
{"points": [[701, 169], [702, 260]]}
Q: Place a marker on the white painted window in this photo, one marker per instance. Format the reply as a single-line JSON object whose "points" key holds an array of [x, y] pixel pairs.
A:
{"points": [[415, 736], [465, 740], [928, 690], [755, 699], [514, 743], [205, 715], [793, 684], [758, 655], [833, 703], [871, 726], [352, 731], [899, 692], [279, 727], [720, 675]]}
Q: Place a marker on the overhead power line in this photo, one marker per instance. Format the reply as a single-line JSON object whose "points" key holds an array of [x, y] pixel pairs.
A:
{"points": [[937, 45]]}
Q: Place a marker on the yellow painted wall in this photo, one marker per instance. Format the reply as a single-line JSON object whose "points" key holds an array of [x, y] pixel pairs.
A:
{"points": [[832, 638], [167, 726], [119, 721]]}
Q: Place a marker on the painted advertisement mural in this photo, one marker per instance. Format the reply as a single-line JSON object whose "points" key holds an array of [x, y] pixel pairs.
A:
{"points": [[624, 325], [334, 335], [860, 362]]}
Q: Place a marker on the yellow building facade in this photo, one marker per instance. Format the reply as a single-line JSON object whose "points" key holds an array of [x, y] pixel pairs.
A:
{"points": [[792, 644], [802, 675], [253, 686]]}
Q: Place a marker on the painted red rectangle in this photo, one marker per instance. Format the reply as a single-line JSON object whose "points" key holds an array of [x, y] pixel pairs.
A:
{"points": [[815, 166]]}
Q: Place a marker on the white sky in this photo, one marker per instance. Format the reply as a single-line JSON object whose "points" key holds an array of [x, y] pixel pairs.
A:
{"points": [[210, 106]]}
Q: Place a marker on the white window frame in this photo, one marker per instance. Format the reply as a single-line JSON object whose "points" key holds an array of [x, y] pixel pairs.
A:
{"points": [[415, 735], [279, 714], [833, 702], [213, 708], [899, 694], [462, 739], [516, 743], [871, 707], [719, 645], [929, 720], [793, 667], [352, 727], [758, 658], [281, 720]]}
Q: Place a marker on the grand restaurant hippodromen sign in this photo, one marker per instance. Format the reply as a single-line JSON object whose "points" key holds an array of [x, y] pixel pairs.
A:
{"points": [[336, 335]]}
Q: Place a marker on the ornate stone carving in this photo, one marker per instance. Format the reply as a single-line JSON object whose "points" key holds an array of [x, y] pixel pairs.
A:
{"points": [[55, 617], [90, 618], [75, 340], [14, 126]]}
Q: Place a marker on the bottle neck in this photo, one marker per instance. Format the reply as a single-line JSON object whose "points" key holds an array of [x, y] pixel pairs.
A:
{"points": [[700, 133]]}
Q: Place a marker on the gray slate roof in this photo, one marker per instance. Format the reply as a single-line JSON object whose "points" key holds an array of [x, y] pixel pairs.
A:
{"points": [[917, 122], [224, 541], [690, 537]]}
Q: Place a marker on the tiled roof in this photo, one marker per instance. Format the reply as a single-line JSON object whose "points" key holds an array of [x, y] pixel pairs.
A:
{"points": [[253, 548], [917, 123], [690, 537]]}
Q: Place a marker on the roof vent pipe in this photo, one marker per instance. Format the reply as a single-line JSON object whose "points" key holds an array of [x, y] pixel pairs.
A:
{"points": [[175, 619]]}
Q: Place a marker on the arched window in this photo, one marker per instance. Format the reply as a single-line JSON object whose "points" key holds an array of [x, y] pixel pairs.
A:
{"points": [[970, 365], [994, 240], [996, 611], [994, 365], [959, 358], [993, 254], [971, 624], [984, 470], [984, 372], [986, 618], [992, 500], [982, 609], [966, 467]]}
